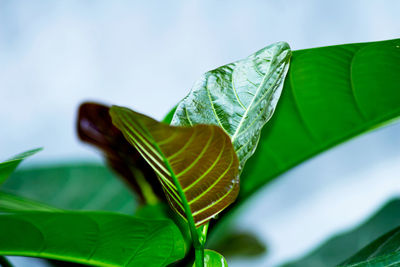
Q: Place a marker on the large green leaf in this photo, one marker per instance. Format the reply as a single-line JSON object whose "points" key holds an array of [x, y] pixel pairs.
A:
{"points": [[331, 94], [385, 251], [8, 166], [197, 166], [72, 186], [342, 246], [239, 97], [94, 238]]}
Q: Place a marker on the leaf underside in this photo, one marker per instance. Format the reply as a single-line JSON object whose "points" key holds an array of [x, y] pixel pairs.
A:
{"points": [[94, 238], [239, 97], [202, 159]]}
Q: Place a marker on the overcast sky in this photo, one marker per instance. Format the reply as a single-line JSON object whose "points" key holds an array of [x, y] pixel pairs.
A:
{"points": [[147, 54]]}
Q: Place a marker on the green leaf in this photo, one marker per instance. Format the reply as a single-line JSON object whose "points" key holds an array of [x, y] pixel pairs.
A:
{"points": [[331, 94], [382, 252], [239, 97], [342, 246], [196, 166], [213, 259], [162, 211], [10, 202], [81, 186], [94, 238], [8, 166]]}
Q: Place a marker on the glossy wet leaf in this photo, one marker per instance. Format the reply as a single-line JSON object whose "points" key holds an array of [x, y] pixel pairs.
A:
{"points": [[197, 163], [8, 166], [94, 126], [338, 248], [80, 186], [331, 94], [94, 238], [385, 251], [239, 97]]}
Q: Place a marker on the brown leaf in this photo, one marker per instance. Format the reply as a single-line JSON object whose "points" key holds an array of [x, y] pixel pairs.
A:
{"points": [[95, 127], [199, 161]]}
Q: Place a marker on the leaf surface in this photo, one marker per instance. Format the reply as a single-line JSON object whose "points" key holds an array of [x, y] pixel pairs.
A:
{"points": [[80, 186], [385, 251], [94, 238], [331, 94], [8, 166], [239, 97], [197, 166], [214, 259]]}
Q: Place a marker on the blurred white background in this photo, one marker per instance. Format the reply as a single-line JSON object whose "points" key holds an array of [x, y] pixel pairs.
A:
{"points": [[147, 54]]}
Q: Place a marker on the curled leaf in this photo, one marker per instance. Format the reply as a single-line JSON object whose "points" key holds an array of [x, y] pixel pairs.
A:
{"points": [[95, 127], [197, 166]]}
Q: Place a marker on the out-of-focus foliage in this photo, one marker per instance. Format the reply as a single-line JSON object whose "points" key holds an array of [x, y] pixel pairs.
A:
{"points": [[8, 166], [73, 186], [338, 248]]}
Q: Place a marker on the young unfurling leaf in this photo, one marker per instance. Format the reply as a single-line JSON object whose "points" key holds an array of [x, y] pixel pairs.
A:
{"points": [[197, 166]]}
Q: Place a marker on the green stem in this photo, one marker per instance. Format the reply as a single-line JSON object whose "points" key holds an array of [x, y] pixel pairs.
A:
{"points": [[199, 257], [4, 262]]}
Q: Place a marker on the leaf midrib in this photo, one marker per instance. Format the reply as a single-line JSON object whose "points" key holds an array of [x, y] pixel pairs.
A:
{"points": [[251, 103]]}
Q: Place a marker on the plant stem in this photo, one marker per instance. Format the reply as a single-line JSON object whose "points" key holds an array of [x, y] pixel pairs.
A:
{"points": [[199, 257], [4, 262]]}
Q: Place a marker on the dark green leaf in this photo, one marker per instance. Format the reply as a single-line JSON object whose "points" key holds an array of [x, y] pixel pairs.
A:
{"points": [[8, 166], [385, 251], [72, 186], [239, 97], [340, 247], [331, 94], [94, 238], [197, 166]]}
